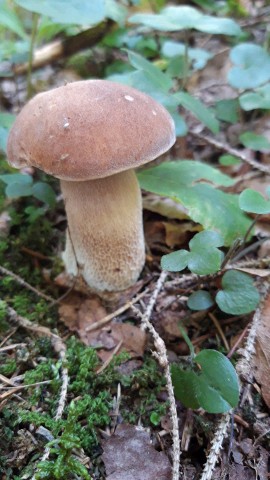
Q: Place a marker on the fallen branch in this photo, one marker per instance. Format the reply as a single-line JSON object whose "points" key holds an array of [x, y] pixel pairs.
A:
{"points": [[161, 356]]}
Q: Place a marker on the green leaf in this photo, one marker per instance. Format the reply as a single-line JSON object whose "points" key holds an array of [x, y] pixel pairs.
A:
{"points": [[7, 119], [3, 139], [212, 208], [200, 300], [175, 261], [228, 160], [16, 190], [79, 12], [260, 98], [175, 18], [204, 261], [44, 192], [254, 141], [227, 110], [214, 387], [238, 294], [9, 19], [198, 109], [207, 240], [153, 72], [252, 66], [252, 201], [198, 56], [115, 11], [180, 124], [18, 178]]}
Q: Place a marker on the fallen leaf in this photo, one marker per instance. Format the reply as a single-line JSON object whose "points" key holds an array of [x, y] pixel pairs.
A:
{"points": [[256, 272], [262, 358], [177, 234], [78, 312], [129, 455]]}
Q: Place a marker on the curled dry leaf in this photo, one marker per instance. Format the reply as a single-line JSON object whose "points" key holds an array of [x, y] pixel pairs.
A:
{"points": [[262, 357], [129, 455]]}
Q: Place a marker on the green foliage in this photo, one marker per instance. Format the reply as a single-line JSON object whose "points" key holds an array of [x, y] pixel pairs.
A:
{"points": [[204, 257], [213, 386], [254, 141], [200, 300], [252, 66], [175, 18], [238, 294], [22, 185], [185, 181], [252, 201]]}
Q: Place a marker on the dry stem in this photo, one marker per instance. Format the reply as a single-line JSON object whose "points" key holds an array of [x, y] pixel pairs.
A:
{"points": [[161, 355]]}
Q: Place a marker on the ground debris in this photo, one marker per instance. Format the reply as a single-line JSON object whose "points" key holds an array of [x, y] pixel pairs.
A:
{"points": [[129, 455], [262, 357]]}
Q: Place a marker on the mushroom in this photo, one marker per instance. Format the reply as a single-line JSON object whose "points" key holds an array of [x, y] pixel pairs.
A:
{"points": [[91, 135]]}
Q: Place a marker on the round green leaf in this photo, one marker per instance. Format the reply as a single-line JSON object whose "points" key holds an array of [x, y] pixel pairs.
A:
{"points": [[228, 160], [257, 99], [175, 261], [252, 66], [214, 387], [204, 261], [200, 300], [238, 294], [254, 202], [206, 239]]}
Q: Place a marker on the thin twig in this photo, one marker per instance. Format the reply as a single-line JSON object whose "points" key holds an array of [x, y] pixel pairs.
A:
{"points": [[232, 151], [161, 355], [219, 329], [112, 315], [216, 447]]}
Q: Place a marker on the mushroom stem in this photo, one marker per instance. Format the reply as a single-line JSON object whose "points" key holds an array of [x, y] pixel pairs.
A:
{"points": [[105, 242]]}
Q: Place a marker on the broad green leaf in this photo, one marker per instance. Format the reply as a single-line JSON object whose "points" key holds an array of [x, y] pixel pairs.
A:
{"points": [[9, 19], [228, 160], [212, 208], [206, 239], [238, 294], [44, 192], [200, 300], [140, 63], [10, 178], [199, 110], [254, 141], [175, 18], [175, 261], [252, 201], [260, 98], [252, 66], [79, 12], [214, 387]]}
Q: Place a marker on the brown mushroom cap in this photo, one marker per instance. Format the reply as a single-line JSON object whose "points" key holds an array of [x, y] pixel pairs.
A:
{"points": [[89, 129]]}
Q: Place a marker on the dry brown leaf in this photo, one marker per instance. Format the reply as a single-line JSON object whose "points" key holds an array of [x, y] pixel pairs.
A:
{"points": [[256, 272], [177, 234], [78, 313], [129, 455], [262, 357]]}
